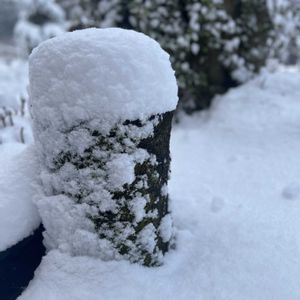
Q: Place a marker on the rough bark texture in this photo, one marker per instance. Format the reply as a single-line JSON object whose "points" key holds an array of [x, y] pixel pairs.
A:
{"points": [[135, 221], [157, 176]]}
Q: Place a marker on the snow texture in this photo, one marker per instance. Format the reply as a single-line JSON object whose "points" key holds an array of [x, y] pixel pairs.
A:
{"points": [[14, 117], [13, 82], [234, 170], [18, 215], [112, 74]]}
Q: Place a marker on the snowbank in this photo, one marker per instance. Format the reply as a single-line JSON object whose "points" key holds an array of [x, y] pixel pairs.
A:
{"points": [[18, 215], [236, 203], [14, 118], [270, 101]]}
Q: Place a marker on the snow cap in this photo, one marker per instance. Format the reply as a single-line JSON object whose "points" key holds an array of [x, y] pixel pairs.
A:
{"points": [[111, 74]]}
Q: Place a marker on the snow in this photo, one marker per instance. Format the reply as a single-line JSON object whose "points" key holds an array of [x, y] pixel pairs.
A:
{"points": [[38, 20], [66, 226], [147, 237], [13, 82], [112, 74], [14, 117], [120, 170], [291, 191], [272, 110], [235, 170], [166, 228], [17, 127], [138, 207], [18, 215]]}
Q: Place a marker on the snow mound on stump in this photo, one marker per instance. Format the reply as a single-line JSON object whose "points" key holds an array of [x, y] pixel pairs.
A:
{"points": [[116, 73]]}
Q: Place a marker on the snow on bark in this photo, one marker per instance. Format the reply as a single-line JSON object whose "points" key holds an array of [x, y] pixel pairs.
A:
{"points": [[102, 102]]}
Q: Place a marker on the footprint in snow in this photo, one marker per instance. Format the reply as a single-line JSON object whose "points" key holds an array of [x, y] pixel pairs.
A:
{"points": [[291, 191]]}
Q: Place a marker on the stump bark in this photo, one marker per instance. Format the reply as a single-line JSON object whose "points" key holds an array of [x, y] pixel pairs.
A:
{"points": [[138, 224], [103, 137]]}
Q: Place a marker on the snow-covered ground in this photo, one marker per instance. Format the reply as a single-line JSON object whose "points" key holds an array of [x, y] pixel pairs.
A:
{"points": [[13, 81], [14, 117], [18, 215], [235, 191]]}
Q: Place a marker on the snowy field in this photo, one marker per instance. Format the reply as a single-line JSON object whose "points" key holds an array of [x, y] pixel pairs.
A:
{"points": [[235, 190]]}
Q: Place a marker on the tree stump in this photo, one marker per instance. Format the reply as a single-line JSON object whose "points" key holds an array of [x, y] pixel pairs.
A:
{"points": [[102, 102]]}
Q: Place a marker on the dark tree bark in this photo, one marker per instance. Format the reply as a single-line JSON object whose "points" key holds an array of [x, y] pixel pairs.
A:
{"points": [[150, 181]]}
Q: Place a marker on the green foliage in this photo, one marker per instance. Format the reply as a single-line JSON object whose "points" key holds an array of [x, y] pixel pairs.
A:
{"points": [[255, 29], [38, 20], [213, 44], [285, 43]]}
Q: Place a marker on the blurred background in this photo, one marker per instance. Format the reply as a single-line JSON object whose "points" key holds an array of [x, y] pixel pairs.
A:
{"points": [[213, 44]]}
